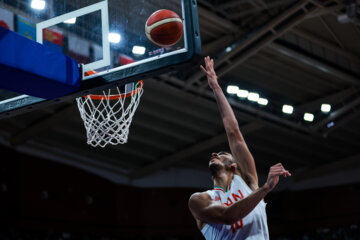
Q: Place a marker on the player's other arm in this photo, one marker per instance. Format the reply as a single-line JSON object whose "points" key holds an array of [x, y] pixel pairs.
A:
{"points": [[236, 140], [206, 210]]}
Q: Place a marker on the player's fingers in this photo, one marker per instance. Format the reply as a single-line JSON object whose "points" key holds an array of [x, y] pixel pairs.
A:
{"points": [[278, 172], [286, 174], [275, 173], [276, 165], [206, 62], [277, 168], [280, 169], [203, 69]]}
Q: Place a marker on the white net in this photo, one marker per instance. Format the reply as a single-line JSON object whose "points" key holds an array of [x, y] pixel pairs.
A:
{"points": [[107, 118]]}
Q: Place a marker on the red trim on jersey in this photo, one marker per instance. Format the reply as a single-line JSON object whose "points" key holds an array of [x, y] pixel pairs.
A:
{"points": [[217, 188]]}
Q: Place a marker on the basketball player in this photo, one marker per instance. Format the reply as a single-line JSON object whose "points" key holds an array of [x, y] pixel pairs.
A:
{"points": [[234, 209]]}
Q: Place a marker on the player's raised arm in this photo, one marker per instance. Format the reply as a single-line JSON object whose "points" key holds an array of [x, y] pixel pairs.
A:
{"points": [[239, 149]]}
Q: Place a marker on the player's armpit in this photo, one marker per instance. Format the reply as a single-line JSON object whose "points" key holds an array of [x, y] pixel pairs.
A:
{"points": [[206, 210], [244, 159]]}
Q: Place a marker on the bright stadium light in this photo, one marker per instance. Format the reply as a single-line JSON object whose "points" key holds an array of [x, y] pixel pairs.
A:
{"points": [[263, 101], [254, 97], [325, 108], [309, 117], [140, 50], [231, 89], [287, 109], [38, 4], [70, 21], [114, 37], [242, 93]]}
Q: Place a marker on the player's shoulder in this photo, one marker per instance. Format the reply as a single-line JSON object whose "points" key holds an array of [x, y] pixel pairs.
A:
{"points": [[239, 180], [199, 199], [199, 196]]}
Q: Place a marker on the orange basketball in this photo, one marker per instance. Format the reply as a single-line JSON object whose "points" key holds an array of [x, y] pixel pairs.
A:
{"points": [[164, 28]]}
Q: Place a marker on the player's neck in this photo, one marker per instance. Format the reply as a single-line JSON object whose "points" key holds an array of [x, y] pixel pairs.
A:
{"points": [[223, 180]]}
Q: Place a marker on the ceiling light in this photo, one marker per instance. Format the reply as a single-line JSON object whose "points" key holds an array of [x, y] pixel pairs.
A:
{"points": [[325, 108], [242, 93], [308, 117], [287, 109], [253, 96], [38, 4], [114, 37], [140, 50], [231, 89], [228, 49], [263, 101], [70, 21]]}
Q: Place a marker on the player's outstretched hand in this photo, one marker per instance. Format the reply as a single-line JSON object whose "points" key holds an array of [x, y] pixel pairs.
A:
{"points": [[273, 177], [210, 72]]}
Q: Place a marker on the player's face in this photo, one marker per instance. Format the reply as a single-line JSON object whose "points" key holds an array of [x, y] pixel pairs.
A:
{"points": [[220, 161]]}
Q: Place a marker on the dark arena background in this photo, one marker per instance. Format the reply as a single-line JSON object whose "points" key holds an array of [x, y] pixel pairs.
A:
{"points": [[300, 60]]}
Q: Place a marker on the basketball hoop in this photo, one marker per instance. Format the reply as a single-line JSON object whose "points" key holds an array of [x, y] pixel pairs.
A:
{"points": [[107, 117]]}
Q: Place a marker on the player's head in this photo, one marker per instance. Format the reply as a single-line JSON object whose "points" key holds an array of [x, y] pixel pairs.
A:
{"points": [[221, 161]]}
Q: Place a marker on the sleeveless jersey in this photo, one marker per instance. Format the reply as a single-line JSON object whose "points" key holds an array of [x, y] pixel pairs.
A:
{"points": [[251, 227]]}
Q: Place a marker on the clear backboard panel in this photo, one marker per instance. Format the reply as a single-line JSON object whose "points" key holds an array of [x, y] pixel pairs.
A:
{"points": [[105, 37]]}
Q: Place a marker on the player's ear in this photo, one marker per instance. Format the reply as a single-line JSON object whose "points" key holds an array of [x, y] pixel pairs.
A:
{"points": [[233, 167]]}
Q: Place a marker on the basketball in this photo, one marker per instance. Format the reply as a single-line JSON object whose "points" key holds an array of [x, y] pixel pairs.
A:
{"points": [[164, 28]]}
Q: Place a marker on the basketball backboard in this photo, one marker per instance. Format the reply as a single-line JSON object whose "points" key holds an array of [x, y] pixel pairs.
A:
{"points": [[105, 36]]}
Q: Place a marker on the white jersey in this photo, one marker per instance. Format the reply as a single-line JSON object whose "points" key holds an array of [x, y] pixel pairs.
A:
{"points": [[251, 227]]}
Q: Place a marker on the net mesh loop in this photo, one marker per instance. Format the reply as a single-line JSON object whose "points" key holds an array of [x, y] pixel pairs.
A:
{"points": [[107, 117]]}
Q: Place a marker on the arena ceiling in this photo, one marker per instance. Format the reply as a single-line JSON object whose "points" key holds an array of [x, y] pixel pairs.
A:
{"points": [[302, 53]]}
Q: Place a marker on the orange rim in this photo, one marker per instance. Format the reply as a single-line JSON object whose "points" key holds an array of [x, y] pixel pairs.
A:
{"points": [[117, 96], [89, 73]]}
